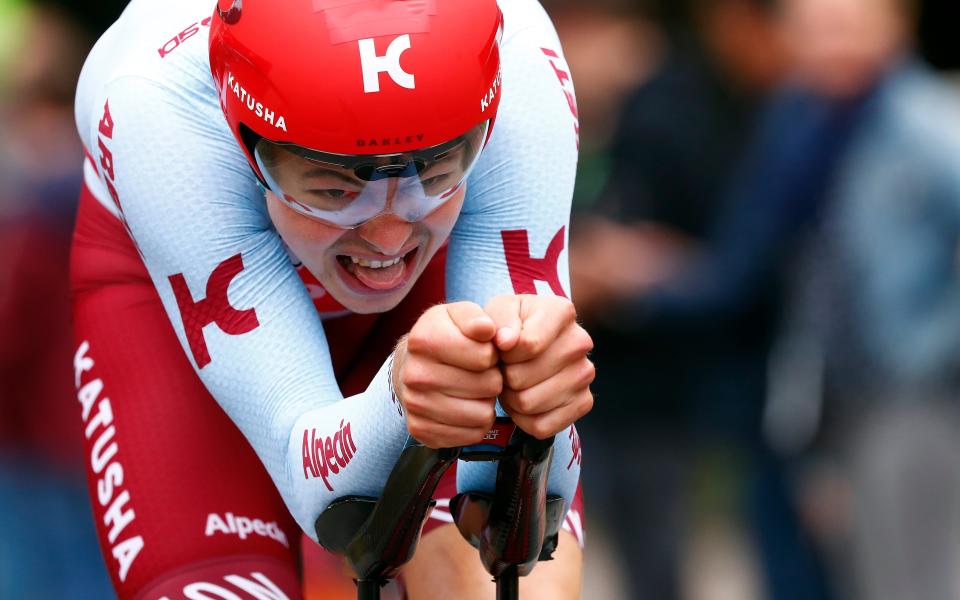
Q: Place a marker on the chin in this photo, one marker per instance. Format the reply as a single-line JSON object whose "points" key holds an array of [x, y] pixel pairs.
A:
{"points": [[371, 305]]}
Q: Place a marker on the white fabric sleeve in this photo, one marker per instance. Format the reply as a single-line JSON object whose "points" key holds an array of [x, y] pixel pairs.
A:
{"points": [[513, 233], [241, 313]]}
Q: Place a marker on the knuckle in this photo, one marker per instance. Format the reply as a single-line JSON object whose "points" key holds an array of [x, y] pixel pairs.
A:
{"points": [[521, 421], [531, 343], [540, 429], [418, 342], [476, 417], [417, 427], [462, 311], [584, 343], [491, 417], [488, 356], [414, 404], [568, 311], [493, 382], [588, 372], [513, 376], [481, 421], [437, 442], [576, 341], [524, 402], [584, 405], [415, 376]]}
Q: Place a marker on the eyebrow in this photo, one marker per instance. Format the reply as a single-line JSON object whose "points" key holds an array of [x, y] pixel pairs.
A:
{"points": [[321, 171]]}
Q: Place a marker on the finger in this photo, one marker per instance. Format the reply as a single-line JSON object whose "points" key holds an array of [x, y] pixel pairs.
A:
{"points": [[507, 338], [572, 345], [553, 422], [476, 413], [436, 338], [505, 312], [472, 321], [429, 377], [544, 317], [439, 435], [552, 393]]}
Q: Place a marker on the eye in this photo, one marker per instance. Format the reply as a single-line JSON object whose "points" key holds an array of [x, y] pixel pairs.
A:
{"points": [[435, 180], [331, 198]]}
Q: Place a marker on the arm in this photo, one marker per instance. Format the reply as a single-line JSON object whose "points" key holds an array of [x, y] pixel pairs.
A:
{"points": [[904, 226], [237, 305], [779, 190], [512, 235], [509, 240]]}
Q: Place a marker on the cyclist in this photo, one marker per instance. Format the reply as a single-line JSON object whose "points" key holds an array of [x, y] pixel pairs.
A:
{"points": [[295, 186]]}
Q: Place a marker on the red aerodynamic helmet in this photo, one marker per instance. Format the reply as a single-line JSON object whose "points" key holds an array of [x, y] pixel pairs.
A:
{"points": [[347, 108]]}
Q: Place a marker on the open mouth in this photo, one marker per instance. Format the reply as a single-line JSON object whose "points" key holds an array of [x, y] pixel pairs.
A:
{"points": [[363, 274]]}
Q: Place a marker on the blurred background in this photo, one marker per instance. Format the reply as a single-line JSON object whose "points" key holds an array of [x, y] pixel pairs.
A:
{"points": [[766, 249]]}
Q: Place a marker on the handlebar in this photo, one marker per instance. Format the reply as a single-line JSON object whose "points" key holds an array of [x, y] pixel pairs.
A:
{"points": [[513, 528]]}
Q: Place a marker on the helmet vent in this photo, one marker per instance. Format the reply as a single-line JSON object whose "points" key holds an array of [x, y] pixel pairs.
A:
{"points": [[351, 20]]}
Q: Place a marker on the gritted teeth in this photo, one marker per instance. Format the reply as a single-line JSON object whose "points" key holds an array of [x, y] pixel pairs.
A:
{"points": [[375, 264], [351, 261]]}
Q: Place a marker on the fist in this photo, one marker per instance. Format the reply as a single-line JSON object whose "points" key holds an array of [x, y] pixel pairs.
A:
{"points": [[544, 363], [446, 377]]}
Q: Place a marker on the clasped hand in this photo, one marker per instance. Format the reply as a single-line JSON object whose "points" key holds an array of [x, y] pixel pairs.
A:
{"points": [[459, 358]]}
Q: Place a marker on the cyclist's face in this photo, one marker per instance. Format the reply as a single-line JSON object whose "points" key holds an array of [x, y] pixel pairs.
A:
{"points": [[345, 261], [340, 196]]}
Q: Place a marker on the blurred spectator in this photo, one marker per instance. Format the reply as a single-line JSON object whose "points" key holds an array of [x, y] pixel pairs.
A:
{"points": [[678, 391], [40, 172], [850, 192], [876, 320], [44, 511], [879, 290]]}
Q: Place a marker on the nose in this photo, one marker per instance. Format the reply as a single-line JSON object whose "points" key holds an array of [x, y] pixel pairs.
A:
{"points": [[387, 233]]}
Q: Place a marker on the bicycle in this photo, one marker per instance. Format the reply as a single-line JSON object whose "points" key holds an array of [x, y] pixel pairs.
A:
{"points": [[513, 528]]}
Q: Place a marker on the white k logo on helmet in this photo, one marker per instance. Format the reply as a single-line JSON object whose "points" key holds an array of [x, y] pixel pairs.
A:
{"points": [[389, 63]]}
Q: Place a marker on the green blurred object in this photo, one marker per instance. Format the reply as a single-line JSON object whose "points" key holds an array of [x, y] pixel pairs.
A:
{"points": [[593, 172], [14, 17]]}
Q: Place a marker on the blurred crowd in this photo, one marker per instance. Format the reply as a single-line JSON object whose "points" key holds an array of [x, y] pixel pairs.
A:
{"points": [[767, 252], [765, 247], [44, 511]]}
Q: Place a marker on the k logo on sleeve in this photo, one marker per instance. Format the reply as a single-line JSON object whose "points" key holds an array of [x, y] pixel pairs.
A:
{"points": [[525, 269], [214, 308]]}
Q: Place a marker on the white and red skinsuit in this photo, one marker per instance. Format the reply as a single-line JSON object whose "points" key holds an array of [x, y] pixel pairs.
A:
{"points": [[173, 230]]}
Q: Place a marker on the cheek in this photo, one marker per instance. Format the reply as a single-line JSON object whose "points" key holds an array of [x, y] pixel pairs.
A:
{"points": [[300, 233], [441, 221]]}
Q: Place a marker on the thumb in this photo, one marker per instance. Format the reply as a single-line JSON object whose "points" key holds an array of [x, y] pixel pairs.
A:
{"points": [[472, 321], [505, 312]]}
